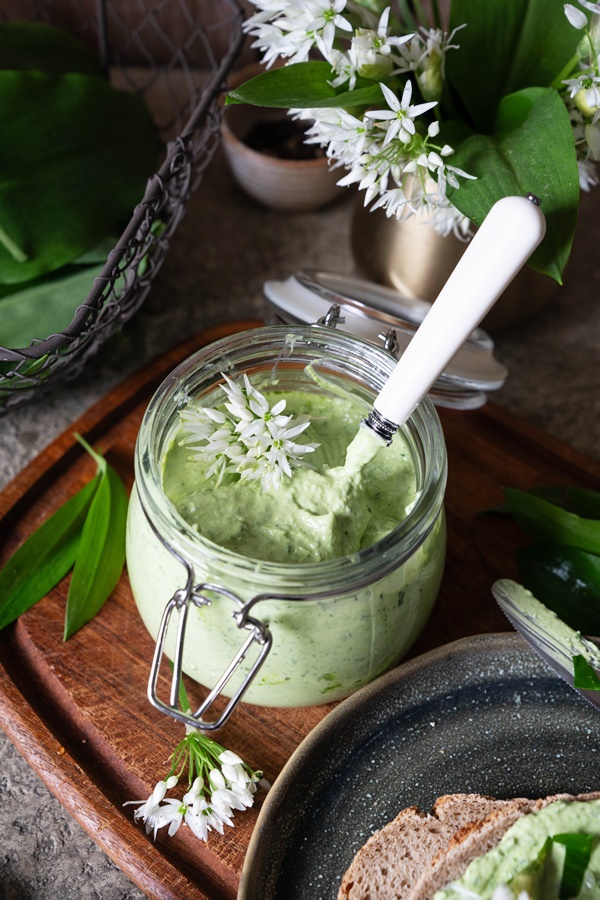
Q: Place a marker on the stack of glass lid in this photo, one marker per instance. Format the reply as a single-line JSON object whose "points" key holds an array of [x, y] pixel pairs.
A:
{"points": [[384, 317]]}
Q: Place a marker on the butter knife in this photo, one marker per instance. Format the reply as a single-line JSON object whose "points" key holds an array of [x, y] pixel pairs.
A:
{"points": [[551, 638]]}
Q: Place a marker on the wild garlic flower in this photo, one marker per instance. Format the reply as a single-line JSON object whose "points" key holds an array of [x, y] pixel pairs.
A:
{"points": [[385, 144], [403, 177], [397, 121], [247, 437], [219, 782], [289, 29], [582, 96]]}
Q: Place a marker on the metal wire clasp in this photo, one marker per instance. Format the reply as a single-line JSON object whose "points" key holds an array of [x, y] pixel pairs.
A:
{"points": [[196, 595], [332, 317]]}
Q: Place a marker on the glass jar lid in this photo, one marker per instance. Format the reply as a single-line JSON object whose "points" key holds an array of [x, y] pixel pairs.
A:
{"points": [[383, 316]]}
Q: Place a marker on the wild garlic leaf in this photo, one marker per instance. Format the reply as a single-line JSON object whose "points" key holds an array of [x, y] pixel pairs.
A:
{"points": [[581, 501], [45, 557], [45, 308], [37, 45], [567, 578], [534, 48], [76, 157], [521, 153], [545, 521], [302, 85], [584, 676], [101, 553], [577, 858]]}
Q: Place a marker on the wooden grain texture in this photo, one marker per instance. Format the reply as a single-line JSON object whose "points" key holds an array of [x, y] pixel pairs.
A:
{"points": [[78, 711]]}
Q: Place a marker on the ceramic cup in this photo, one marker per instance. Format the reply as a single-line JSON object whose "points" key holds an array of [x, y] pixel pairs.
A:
{"points": [[291, 185]]}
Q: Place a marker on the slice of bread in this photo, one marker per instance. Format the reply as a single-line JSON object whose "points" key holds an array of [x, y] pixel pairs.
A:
{"points": [[419, 853]]}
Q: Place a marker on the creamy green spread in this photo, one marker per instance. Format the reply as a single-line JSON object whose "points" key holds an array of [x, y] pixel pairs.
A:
{"points": [[559, 640], [334, 506], [324, 646], [512, 862]]}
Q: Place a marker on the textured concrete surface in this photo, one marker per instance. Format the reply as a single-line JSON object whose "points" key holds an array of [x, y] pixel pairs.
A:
{"points": [[226, 247]]}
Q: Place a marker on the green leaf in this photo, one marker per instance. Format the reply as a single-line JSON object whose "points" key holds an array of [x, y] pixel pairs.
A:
{"points": [[76, 154], [101, 553], [98, 254], [568, 579], [545, 521], [531, 149], [45, 308], [97, 457], [507, 45], [581, 501], [37, 45], [585, 676], [303, 85], [532, 878], [577, 858], [45, 557]]}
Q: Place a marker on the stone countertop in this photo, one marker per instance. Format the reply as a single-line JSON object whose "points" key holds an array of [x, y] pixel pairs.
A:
{"points": [[225, 248]]}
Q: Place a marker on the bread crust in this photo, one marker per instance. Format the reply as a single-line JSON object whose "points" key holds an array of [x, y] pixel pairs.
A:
{"points": [[419, 853]]}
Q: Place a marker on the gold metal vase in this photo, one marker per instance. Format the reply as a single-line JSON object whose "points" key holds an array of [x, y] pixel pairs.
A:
{"points": [[412, 258]]}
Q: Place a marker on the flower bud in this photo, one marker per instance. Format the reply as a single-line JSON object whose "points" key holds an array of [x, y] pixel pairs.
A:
{"points": [[431, 77], [587, 100]]}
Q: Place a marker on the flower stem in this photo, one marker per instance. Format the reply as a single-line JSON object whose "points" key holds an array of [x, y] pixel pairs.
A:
{"points": [[593, 55], [11, 247]]}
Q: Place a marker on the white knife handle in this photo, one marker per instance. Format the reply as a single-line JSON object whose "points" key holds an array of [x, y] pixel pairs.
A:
{"points": [[508, 235]]}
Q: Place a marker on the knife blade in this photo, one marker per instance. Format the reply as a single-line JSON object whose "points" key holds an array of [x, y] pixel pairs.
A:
{"points": [[551, 638]]}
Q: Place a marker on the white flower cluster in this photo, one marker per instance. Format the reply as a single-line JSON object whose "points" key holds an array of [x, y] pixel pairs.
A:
{"points": [[211, 799], [401, 170], [398, 166], [583, 96], [247, 437]]}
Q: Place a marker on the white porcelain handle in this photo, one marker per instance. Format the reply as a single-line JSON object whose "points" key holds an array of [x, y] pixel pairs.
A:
{"points": [[506, 239]]}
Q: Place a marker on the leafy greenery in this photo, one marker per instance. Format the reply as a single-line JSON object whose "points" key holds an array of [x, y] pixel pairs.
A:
{"points": [[45, 558], [570, 577], [507, 45], [578, 850], [585, 677], [562, 567], [499, 108], [46, 307], [516, 159], [76, 155], [35, 45], [75, 158], [86, 534], [548, 521]]}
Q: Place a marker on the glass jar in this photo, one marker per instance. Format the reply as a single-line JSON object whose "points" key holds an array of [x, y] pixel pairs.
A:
{"points": [[316, 631]]}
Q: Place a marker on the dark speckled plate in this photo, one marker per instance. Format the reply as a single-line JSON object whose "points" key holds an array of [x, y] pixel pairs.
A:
{"points": [[483, 714]]}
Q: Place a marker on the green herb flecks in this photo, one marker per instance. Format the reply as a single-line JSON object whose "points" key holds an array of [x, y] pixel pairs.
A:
{"points": [[87, 534]]}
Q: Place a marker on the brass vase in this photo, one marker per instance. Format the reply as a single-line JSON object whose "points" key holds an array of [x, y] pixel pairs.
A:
{"points": [[412, 258]]}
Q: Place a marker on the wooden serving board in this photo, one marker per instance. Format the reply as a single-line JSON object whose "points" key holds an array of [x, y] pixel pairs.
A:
{"points": [[78, 711]]}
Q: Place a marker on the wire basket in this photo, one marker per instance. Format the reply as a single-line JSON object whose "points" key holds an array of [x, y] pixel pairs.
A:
{"points": [[182, 51]]}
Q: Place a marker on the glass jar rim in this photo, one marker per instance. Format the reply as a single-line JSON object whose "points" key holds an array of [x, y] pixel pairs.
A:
{"points": [[281, 343]]}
